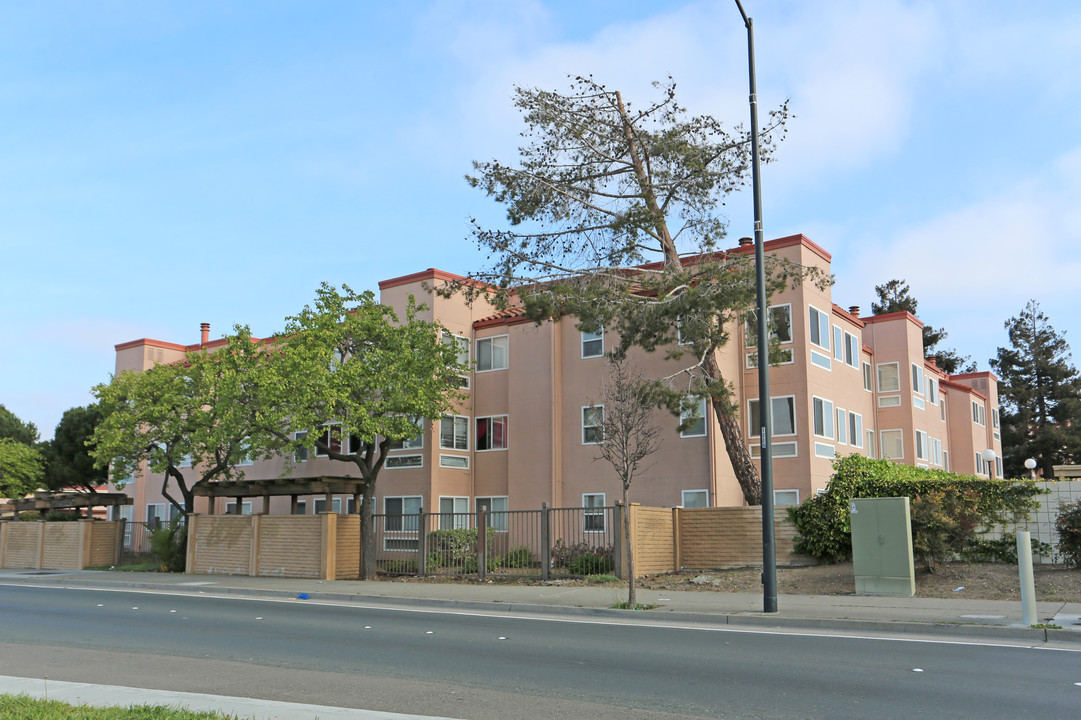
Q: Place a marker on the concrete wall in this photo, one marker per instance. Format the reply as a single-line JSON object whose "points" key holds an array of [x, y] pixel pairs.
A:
{"points": [[59, 545]]}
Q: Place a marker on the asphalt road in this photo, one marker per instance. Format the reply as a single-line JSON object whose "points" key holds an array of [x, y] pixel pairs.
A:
{"points": [[486, 666]]}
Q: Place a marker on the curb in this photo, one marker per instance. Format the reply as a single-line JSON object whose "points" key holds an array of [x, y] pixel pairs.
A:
{"points": [[734, 620]]}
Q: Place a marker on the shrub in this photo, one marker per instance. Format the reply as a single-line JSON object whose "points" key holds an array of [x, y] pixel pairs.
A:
{"points": [[169, 544], [1001, 549], [519, 557], [62, 516], [457, 548], [583, 558], [403, 566], [1068, 526], [944, 523], [823, 521]]}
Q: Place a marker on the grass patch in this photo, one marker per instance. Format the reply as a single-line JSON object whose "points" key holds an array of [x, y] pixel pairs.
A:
{"points": [[624, 605], [27, 708], [601, 579]]}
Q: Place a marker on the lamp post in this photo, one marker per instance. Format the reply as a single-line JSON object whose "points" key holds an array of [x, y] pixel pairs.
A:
{"points": [[989, 458], [765, 405], [1030, 465]]}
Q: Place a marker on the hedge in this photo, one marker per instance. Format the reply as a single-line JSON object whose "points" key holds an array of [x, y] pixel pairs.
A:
{"points": [[823, 524]]}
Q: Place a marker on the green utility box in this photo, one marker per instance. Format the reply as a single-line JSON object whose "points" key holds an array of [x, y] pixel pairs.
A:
{"points": [[882, 546]]}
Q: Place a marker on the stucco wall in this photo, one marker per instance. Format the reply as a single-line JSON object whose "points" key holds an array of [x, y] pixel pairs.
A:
{"points": [[62, 548], [289, 545], [21, 543], [222, 544]]}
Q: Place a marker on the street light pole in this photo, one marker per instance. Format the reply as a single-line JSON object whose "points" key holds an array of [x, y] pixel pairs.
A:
{"points": [[765, 404]]}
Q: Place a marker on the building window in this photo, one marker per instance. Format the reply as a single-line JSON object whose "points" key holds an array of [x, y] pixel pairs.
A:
{"points": [[780, 325], [300, 454], [593, 425], [994, 418], [870, 443], [784, 416], [331, 438], [936, 451], [921, 445], [824, 450], [889, 377], [889, 401], [822, 361], [942, 410], [867, 377], [401, 514], [783, 356], [492, 353], [932, 390], [785, 497], [892, 445], [819, 327], [838, 344], [492, 433], [780, 450], [496, 508], [593, 515], [978, 413], [302, 507], [456, 462], [160, 513], [454, 432], [593, 344], [693, 418], [411, 443], [461, 344], [855, 429], [852, 350], [321, 505], [245, 507], [453, 513], [694, 498], [917, 379], [823, 418], [842, 426], [397, 462]]}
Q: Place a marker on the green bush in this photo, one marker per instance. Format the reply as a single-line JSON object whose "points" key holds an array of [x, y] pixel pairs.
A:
{"points": [[457, 549], [1001, 549], [944, 523], [1068, 526], [519, 557], [62, 516], [823, 520], [404, 566], [583, 558], [169, 544]]}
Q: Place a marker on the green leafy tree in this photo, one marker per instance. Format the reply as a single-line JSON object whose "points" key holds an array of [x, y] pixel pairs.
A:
{"points": [[68, 462], [12, 427], [208, 411], [348, 361], [630, 435], [601, 189], [896, 296], [1040, 395], [20, 468]]}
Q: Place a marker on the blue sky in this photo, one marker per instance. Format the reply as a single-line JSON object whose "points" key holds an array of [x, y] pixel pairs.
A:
{"points": [[164, 164]]}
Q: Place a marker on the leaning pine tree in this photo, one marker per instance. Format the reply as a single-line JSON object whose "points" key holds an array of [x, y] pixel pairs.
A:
{"points": [[614, 220]]}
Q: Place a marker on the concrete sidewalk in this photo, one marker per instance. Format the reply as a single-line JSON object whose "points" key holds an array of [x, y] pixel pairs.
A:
{"points": [[923, 616]]}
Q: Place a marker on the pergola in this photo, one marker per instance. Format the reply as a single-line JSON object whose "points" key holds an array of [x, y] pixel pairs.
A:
{"points": [[46, 501], [294, 487]]}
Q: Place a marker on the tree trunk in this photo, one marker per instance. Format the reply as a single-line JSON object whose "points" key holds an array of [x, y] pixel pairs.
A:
{"points": [[367, 534], [750, 482], [628, 547]]}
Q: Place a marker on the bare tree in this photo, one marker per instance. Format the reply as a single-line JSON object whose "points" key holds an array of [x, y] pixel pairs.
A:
{"points": [[630, 436]]}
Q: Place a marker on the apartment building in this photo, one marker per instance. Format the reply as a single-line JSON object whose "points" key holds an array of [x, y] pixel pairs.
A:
{"points": [[528, 430]]}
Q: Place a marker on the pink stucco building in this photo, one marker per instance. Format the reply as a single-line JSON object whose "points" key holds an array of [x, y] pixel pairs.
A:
{"points": [[526, 434]]}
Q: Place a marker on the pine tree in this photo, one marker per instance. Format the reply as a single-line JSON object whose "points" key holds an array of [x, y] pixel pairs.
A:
{"points": [[1040, 395]]}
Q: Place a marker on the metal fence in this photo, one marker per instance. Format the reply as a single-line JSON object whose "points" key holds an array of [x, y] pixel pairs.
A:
{"points": [[545, 543], [135, 545]]}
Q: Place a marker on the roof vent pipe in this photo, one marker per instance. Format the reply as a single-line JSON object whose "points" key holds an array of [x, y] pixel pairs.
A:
{"points": [[854, 310], [745, 241], [204, 332]]}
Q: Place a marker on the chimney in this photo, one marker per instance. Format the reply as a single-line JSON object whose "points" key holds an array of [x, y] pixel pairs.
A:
{"points": [[204, 332], [745, 241], [854, 310]]}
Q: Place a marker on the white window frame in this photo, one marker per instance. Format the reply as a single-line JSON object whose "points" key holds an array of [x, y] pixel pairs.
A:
{"points": [[868, 377], [497, 517], [917, 380], [454, 419], [750, 325], [842, 426], [683, 498], [779, 497], [818, 324], [852, 350], [838, 344], [698, 413], [404, 462], [921, 445], [892, 432], [779, 450], [457, 516], [335, 505], [300, 454], [855, 429], [414, 443], [329, 432], [245, 507], [932, 390], [597, 427], [595, 342], [869, 450], [416, 503], [465, 347], [494, 342], [786, 400], [454, 462], [492, 421], [897, 375], [589, 512], [826, 413]]}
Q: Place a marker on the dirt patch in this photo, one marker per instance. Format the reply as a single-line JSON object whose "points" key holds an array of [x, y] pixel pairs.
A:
{"points": [[983, 581]]}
